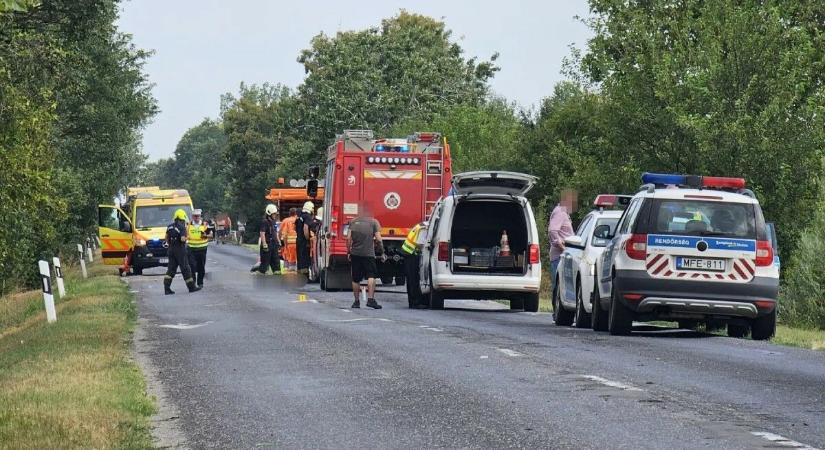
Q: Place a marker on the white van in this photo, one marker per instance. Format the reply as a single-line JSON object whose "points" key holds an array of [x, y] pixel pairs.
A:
{"points": [[462, 256]]}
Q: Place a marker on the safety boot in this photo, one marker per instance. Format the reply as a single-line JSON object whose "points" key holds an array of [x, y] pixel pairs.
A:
{"points": [[167, 287], [192, 286]]}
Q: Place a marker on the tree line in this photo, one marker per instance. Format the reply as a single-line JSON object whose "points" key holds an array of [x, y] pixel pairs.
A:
{"points": [[73, 99], [703, 87]]}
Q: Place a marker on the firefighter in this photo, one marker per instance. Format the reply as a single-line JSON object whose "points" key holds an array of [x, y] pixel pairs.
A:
{"points": [[412, 259], [269, 241], [304, 235], [176, 237], [289, 239], [197, 245]]}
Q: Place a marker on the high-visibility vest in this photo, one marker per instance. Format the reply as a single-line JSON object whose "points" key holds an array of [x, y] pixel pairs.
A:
{"points": [[409, 246], [197, 236]]}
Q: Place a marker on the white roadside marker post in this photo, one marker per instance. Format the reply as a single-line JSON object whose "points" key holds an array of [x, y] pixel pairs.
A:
{"points": [[48, 299], [82, 261], [58, 274], [89, 252]]}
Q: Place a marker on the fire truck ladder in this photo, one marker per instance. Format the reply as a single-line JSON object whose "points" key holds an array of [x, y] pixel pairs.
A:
{"points": [[434, 184]]}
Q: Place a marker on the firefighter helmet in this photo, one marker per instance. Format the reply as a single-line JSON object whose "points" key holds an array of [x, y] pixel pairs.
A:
{"points": [[271, 209], [309, 207], [180, 214]]}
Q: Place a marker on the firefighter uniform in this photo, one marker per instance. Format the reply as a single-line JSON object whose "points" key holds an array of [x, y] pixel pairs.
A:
{"points": [[176, 236], [197, 246], [303, 241], [269, 242], [412, 260]]}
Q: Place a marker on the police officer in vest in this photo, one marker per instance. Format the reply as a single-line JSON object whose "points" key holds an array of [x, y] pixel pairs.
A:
{"points": [[197, 245], [411, 250], [176, 237]]}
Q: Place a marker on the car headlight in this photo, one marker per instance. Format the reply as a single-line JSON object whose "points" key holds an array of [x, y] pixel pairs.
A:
{"points": [[140, 242]]}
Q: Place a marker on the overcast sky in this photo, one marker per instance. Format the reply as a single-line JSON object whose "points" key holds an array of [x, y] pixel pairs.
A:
{"points": [[205, 48]]}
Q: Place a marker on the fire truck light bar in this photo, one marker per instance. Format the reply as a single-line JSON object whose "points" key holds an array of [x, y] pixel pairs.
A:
{"points": [[385, 160]]}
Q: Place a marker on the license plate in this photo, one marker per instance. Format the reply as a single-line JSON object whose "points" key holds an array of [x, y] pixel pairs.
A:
{"points": [[715, 265], [163, 260]]}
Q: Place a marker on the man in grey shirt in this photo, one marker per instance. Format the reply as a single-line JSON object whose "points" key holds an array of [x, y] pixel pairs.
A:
{"points": [[363, 239]]}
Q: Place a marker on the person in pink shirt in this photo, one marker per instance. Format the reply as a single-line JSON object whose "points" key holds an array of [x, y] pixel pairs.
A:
{"points": [[560, 227]]}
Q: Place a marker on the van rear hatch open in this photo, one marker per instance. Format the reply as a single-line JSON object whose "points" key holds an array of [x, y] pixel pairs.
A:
{"points": [[502, 183]]}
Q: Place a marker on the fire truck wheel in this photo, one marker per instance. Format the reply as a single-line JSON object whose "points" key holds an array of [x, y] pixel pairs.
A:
{"points": [[400, 280]]}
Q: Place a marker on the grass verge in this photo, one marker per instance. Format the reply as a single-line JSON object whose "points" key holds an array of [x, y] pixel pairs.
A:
{"points": [[72, 384]]}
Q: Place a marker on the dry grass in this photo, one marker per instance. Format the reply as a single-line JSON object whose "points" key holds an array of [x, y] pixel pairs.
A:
{"points": [[72, 384]]}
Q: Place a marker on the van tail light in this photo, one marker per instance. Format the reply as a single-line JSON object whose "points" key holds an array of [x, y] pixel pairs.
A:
{"points": [[443, 251], [637, 246], [764, 253], [534, 254]]}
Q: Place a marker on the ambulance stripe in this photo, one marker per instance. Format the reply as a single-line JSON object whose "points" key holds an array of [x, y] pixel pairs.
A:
{"points": [[653, 261]]}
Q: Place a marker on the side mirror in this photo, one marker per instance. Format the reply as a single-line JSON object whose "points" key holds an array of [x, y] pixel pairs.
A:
{"points": [[574, 241], [602, 232], [312, 188]]}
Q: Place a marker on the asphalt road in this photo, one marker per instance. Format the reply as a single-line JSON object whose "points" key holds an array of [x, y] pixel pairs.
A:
{"points": [[244, 364]]}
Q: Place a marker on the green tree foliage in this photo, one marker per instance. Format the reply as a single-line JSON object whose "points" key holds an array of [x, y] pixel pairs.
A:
{"points": [[73, 99]]}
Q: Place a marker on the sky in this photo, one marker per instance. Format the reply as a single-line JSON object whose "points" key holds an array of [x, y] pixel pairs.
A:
{"points": [[205, 48]]}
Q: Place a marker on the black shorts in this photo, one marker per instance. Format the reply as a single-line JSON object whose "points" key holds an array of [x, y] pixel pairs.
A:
{"points": [[363, 267]]}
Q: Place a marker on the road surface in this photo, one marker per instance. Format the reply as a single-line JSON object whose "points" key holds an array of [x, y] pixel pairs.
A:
{"points": [[245, 364]]}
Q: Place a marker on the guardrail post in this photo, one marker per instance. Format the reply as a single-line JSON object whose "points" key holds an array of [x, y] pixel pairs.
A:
{"points": [[58, 274], [82, 261], [48, 298]]}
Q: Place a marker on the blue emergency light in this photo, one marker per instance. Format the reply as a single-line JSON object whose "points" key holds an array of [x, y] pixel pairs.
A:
{"points": [[695, 181]]}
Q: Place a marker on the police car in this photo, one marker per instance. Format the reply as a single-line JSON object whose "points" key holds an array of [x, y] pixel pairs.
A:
{"points": [[690, 249], [575, 281]]}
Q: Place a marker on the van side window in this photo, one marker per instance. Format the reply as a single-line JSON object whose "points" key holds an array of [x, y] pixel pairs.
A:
{"points": [[629, 216]]}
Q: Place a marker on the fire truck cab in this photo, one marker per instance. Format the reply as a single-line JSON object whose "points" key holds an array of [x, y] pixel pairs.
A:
{"points": [[401, 180]]}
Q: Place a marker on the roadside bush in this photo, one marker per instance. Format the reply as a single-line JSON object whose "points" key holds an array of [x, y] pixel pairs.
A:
{"points": [[802, 300]]}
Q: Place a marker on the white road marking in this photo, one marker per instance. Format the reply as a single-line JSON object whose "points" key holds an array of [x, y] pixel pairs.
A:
{"points": [[783, 441], [183, 326], [427, 327], [615, 384], [309, 300], [509, 352], [359, 319], [346, 310], [483, 357]]}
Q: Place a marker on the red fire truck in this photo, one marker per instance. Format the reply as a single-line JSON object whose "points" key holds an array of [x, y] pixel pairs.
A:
{"points": [[401, 179]]}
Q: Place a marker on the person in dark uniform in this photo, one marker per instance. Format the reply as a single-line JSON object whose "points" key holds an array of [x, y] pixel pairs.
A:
{"points": [[270, 257], [197, 245], [302, 227], [176, 237]]}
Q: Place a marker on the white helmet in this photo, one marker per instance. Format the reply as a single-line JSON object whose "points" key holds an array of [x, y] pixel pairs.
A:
{"points": [[320, 213], [309, 207], [271, 209], [197, 212]]}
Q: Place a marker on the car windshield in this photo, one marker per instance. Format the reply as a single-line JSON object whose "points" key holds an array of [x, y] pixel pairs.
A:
{"points": [[704, 218], [157, 215]]}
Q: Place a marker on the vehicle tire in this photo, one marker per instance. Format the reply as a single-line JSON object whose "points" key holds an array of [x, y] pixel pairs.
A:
{"points": [[400, 280], [322, 277], [598, 318], [516, 303], [737, 330], [583, 319], [436, 299], [688, 324], [712, 325], [561, 316], [137, 270], [531, 302], [386, 280], [620, 318], [763, 327]]}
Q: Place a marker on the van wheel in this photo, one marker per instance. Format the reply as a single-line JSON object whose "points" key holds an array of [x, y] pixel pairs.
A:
{"points": [[620, 318], [561, 316], [400, 280], [764, 327], [516, 303], [582, 317], [436, 299], [531, 302], [736, 330]]}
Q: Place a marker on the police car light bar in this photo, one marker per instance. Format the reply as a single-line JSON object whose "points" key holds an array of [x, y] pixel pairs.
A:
{"points": [[693, 181], [608, 200]]}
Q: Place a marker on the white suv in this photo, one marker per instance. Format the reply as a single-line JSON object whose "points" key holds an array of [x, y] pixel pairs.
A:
{"points": [[690, 249], [462, 257], [573, 286]]}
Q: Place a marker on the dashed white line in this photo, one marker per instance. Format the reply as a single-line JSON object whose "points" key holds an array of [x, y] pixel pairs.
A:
{"points": [[509, 352], [614, 384], [783, 441], [360, 319], [483, 357], [429, 328], [183, 326]]}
